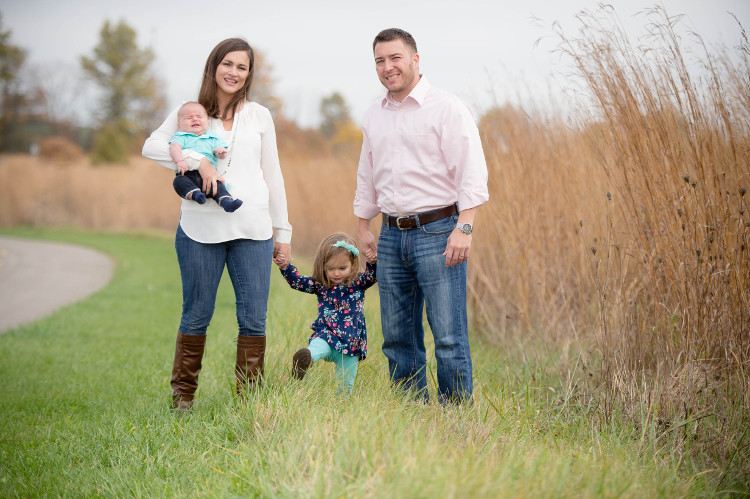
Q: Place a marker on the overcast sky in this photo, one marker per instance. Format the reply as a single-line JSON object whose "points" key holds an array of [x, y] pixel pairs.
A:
{"points": [[477, 49]]}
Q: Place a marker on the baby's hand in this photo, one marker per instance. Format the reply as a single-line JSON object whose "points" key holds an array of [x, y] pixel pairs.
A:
{"points": [[220, 152], [182, 167], [280, 260]]}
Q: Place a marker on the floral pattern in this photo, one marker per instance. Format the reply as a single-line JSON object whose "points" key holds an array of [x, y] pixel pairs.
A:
{"points": [[341, 317]]}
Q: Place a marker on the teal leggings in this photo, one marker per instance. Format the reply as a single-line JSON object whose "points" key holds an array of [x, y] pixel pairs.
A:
{"points": [[346, 365]]}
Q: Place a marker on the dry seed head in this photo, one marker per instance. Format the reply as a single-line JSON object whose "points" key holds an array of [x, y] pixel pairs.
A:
{"points": [[679, 211], [609, 196], [686, 178], [742, 191], [593, 249]]}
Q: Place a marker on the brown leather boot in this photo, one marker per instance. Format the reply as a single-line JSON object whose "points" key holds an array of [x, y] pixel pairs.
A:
{"points": [[251, 351], [188, 355]]}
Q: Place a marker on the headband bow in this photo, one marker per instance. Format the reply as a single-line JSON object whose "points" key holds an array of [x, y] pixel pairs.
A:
{"points": [[349, 247]]}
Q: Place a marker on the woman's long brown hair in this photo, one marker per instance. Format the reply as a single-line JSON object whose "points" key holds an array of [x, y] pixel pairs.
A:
{"points": [[209, 88]]}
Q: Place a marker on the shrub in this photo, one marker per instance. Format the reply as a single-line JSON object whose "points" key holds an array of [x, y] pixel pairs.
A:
{"points": [[110, 145], [59, 149]]}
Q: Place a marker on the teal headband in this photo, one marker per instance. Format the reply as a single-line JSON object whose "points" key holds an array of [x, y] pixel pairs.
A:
{"points": [[349, 247]]}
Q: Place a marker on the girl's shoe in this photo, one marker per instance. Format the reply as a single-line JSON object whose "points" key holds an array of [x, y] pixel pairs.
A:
{"points": [[301, 362]]}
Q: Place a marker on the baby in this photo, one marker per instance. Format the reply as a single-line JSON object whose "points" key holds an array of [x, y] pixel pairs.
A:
{"points": [[193, 134]]}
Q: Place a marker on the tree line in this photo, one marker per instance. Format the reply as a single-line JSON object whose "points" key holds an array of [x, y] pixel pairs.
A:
{"points": [[118, 74]]}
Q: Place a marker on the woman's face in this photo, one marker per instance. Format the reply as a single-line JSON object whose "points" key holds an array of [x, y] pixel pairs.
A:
{"points": [[232, 72]]}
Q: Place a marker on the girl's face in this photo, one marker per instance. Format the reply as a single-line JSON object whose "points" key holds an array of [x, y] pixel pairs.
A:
{"points": [[338, 268], [232, 72]]}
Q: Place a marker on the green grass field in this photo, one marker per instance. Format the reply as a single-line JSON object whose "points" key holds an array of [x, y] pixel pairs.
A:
{"points": [[84, 410]]}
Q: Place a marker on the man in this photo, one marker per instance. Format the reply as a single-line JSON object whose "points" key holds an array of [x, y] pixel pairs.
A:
{"points": [[422, 167]]}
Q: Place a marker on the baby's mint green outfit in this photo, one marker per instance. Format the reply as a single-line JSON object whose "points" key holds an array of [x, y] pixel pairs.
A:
{"points": [[204, 144]]}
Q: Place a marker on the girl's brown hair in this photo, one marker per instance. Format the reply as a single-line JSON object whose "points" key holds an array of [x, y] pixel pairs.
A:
{"points": [[209, 88], [327, 251]]}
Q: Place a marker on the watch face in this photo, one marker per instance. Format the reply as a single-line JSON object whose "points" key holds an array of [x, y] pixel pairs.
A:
{"points": [[465, 228]]}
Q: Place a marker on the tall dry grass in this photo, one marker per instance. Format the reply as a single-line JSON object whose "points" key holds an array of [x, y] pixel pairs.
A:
{"points": [[676, 149], [140, 194], [628, 226], [73, 192]]}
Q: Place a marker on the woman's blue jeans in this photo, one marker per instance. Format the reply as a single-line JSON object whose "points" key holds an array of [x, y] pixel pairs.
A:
{"points": [[201, 267], [412, 273]]}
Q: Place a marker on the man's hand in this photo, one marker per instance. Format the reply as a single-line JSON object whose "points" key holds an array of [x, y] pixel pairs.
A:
{"points": [[367, 241], [457, 249]]}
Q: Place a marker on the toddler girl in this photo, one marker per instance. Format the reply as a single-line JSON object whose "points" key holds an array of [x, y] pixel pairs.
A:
{"points": [[339, 333]]}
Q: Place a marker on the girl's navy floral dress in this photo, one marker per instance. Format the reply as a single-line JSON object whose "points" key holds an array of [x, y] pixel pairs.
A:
{"points": [[341, 318]]}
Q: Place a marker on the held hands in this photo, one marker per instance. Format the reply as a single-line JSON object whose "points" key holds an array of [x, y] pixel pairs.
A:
{"points": [[369, 248], [220, 152], [282, 255], [457, 250]]}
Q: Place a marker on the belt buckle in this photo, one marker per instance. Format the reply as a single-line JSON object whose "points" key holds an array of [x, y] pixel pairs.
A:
{"points": [[398, 222]]}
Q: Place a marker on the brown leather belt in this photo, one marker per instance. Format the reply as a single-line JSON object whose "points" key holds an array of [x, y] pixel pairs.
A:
{"points": [[411, 221]]}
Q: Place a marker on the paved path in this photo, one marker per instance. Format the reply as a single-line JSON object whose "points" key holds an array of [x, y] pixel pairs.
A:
{"points": [[38, 277]]}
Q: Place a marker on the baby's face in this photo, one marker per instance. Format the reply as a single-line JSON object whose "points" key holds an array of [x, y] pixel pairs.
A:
{"points": [[193, 119]]}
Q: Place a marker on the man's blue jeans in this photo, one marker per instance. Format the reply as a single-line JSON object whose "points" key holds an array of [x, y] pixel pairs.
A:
{"points": [[411, 272], [201, 267]]}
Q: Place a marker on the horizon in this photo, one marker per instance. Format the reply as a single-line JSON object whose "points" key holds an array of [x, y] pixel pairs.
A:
{"points": [[501, 54]]}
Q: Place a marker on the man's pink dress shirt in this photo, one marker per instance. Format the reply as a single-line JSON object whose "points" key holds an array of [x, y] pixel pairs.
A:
{"points": [[418, 155]]}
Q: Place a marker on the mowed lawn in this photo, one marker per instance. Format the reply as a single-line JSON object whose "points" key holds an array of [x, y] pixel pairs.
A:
{"points": [[84, 409]]}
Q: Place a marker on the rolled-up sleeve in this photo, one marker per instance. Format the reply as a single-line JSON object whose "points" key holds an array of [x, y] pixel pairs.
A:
{"points": [[462, 149], [365, 204], [269, 164]]}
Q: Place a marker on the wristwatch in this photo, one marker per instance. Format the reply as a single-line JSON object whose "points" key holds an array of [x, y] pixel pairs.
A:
{"points": [[465, 228]]}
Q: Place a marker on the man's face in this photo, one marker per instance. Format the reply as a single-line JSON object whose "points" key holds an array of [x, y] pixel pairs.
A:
{"points": [[397, 67]]}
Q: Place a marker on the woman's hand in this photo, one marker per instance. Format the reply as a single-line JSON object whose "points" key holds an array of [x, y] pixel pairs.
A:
{"points": [[282, 254], [210, 176]]}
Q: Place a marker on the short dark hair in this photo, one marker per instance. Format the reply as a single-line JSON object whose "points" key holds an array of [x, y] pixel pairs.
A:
{"points": [[391, 34]]}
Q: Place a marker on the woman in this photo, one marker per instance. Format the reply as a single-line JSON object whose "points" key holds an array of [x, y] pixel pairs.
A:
{"points": [[208, 238]]}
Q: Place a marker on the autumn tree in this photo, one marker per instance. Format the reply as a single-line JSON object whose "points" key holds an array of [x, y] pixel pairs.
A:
{"points": [[262, 90], [131, 102], [334, 113], [12, 99], [337, 126]]}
